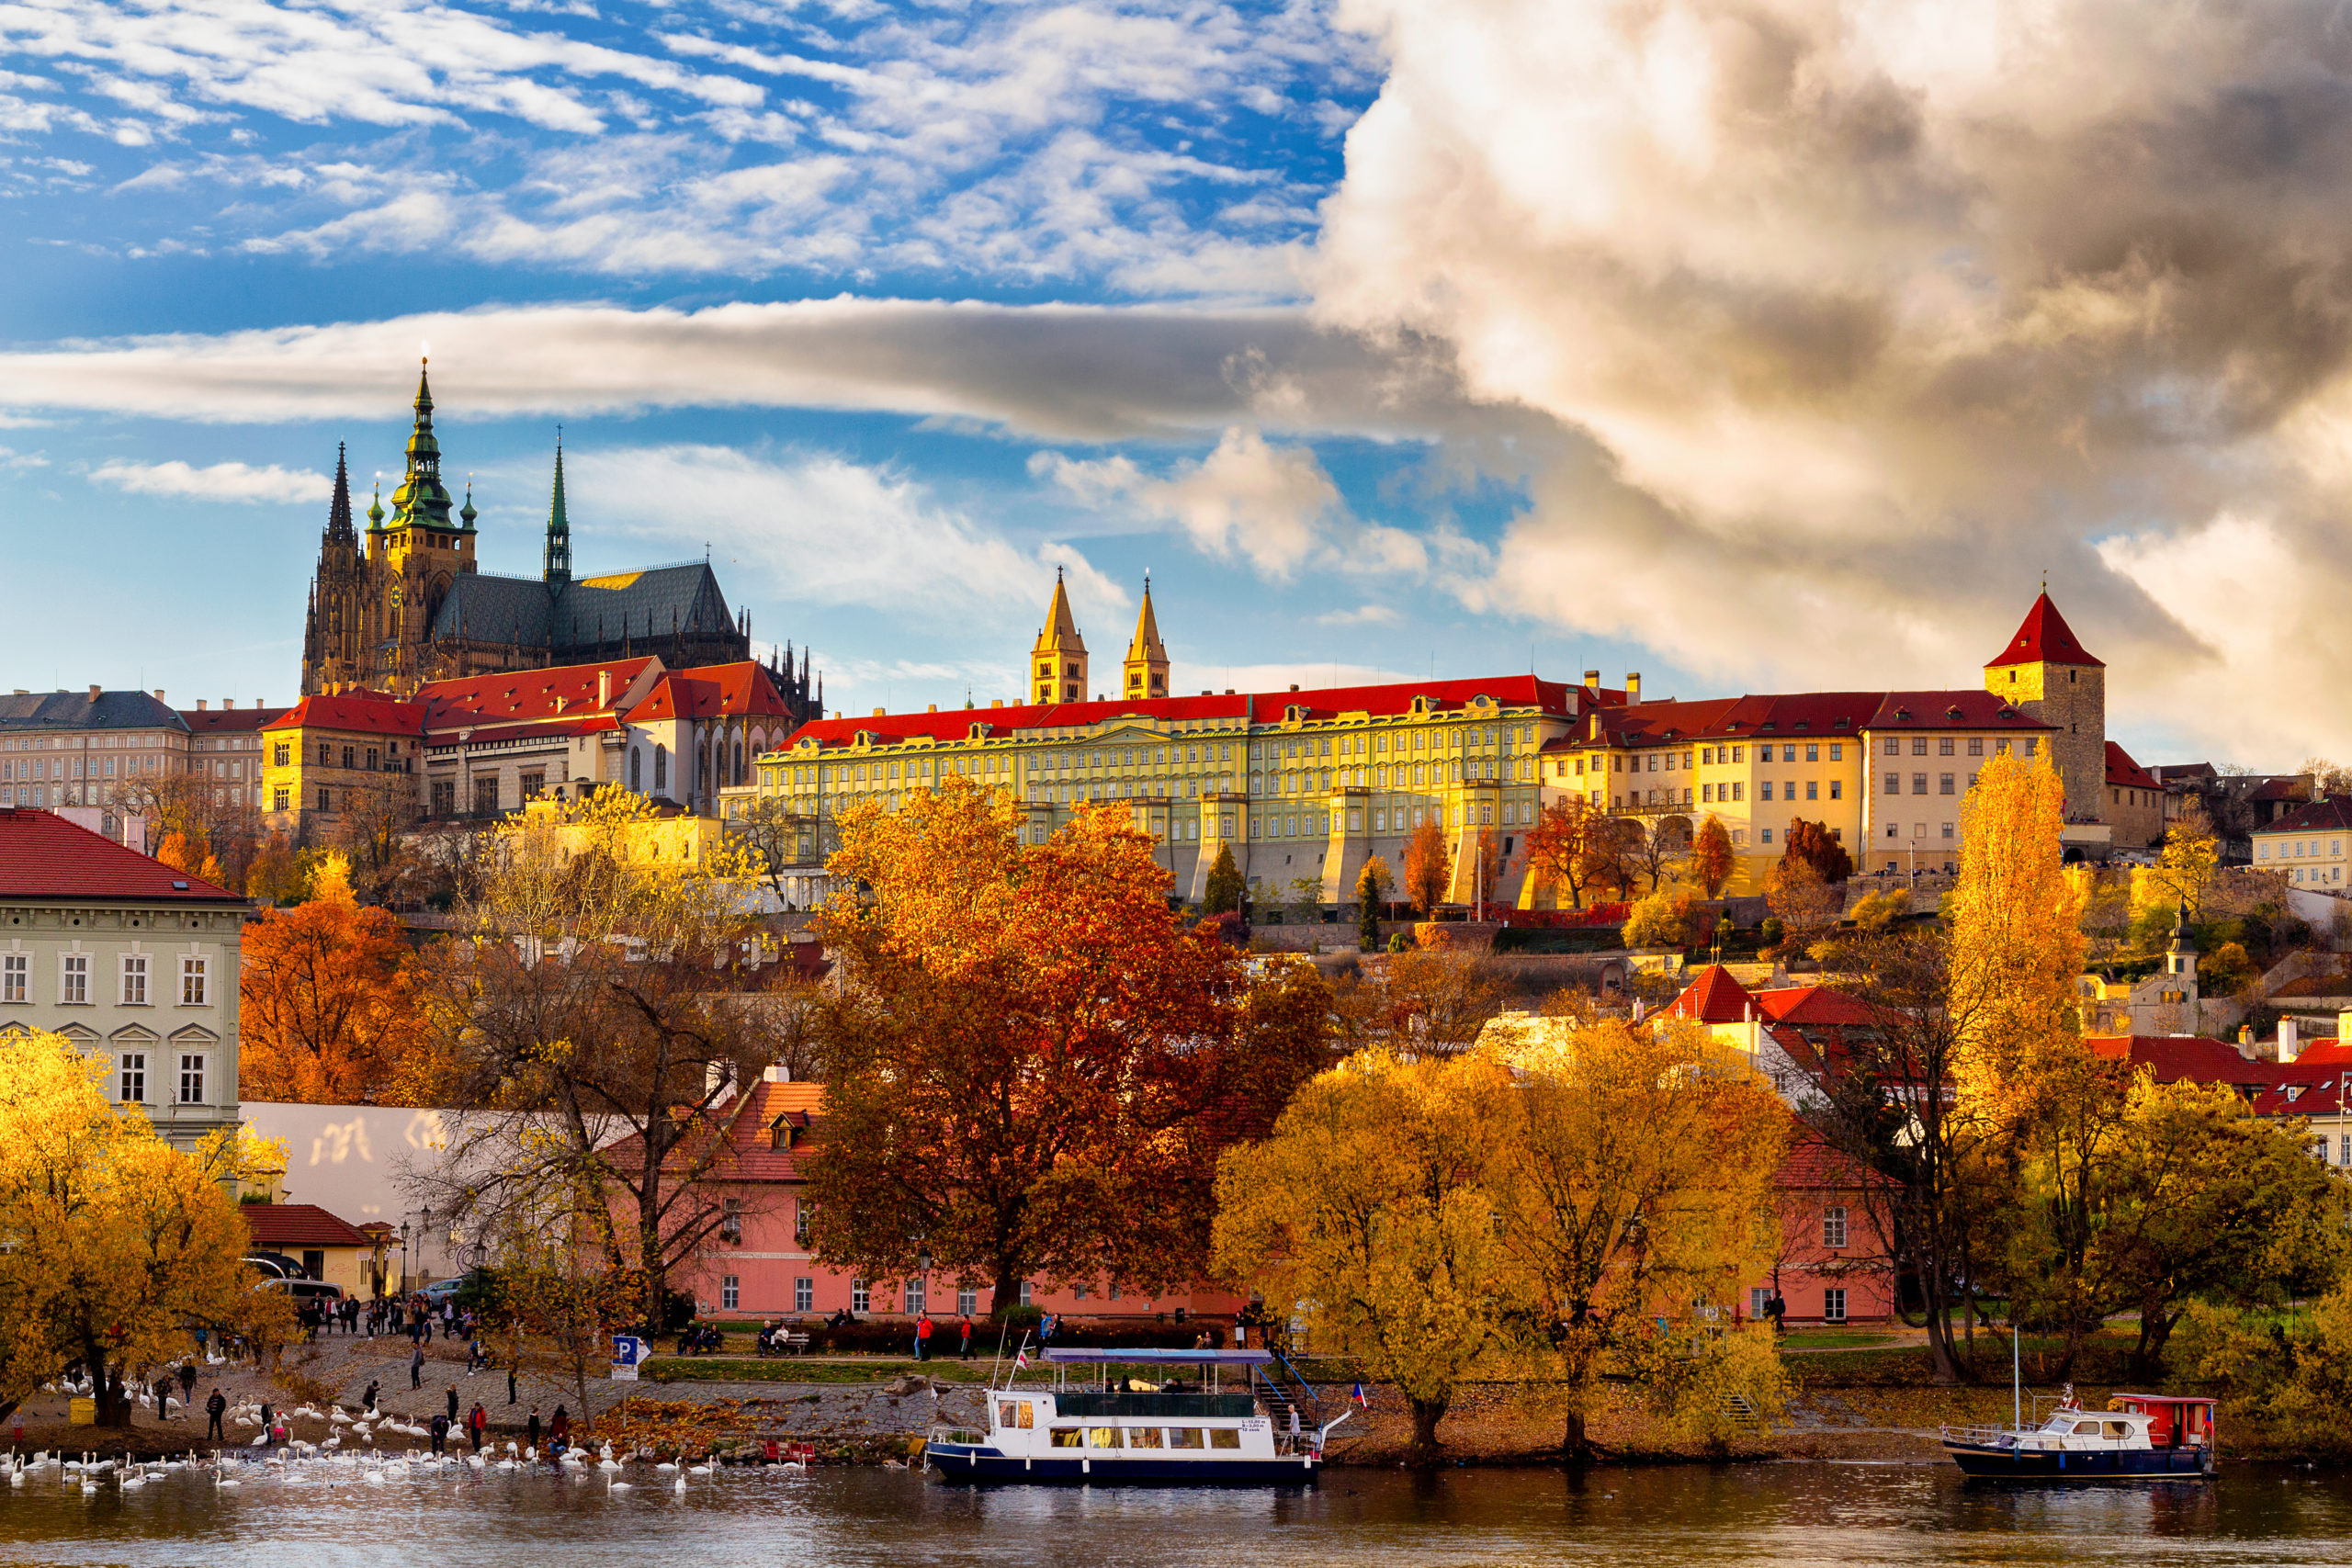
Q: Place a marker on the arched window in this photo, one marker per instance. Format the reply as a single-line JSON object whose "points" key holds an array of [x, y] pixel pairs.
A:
{"points": [[739, 762], [661, 768], [636, 770]]}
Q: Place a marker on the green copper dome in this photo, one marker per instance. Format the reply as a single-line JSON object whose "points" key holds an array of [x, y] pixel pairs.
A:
{"points": [[422, 499]]}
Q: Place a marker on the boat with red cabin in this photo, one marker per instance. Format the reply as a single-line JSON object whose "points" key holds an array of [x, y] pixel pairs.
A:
{"points": [[2139, 1437]]}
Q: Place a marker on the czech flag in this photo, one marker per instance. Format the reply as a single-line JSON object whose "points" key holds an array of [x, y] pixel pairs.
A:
{"points": [[1359, 1396]]}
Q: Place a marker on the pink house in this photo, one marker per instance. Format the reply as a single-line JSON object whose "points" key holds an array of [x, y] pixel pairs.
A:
{"points": [[1832, 1265], [758, 1264]]}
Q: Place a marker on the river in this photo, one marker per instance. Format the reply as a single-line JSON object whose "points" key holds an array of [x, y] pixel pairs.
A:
{"points": [[1786, 1514]]}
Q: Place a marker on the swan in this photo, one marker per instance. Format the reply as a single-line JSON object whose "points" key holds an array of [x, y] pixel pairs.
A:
{"points": [[679, 1486], [621, 1486]]}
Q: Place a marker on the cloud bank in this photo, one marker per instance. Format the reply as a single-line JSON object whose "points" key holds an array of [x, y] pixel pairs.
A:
{"points": [[220, 481]]}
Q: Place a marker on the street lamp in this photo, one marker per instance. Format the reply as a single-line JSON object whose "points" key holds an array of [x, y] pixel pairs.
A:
{"points": [[403, 1257], [423, 1235]]}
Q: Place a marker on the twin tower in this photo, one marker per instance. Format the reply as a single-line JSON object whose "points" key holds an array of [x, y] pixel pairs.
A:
{"points": [[1057, 660]]}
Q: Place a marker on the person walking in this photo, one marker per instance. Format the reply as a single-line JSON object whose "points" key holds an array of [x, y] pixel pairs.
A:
{"points": [[964, 1350], [417, 1368], [531, 1430], [477, 1422], [187, 1382], [163, 1397], [453, 1404], [440, 1433], [922, 1338], [368, 1400], [511, 1390], [216, 1405]]}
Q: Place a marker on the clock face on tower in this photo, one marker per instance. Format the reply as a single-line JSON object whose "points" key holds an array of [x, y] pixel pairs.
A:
{"points": [[396, 596]]}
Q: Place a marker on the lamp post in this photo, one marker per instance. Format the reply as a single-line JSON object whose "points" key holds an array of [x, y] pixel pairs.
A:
{"points": [[403, 1257], [423, 1235]]}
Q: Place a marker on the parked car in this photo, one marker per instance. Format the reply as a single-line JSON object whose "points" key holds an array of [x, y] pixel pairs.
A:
{"points": [[305, 1290]]}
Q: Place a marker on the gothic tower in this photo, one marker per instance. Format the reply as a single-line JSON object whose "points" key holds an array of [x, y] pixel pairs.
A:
{"points": [[418, 551], [557, 567], [1058, 662], [1146, 665], [2046, 673], [334, 640]]}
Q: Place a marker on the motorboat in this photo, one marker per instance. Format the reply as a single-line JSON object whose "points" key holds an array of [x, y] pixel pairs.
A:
{"points": [[1244, 1417], [2139, 1437]]}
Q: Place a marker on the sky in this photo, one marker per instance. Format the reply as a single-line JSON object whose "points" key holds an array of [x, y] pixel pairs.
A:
{"points": [[1754, 345]]}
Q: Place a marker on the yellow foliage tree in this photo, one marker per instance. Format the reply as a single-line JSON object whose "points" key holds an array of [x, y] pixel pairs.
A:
{"points": [[1364, 1206], [1630, 1174], [113, 1244], [2184, 871], [2017, 938]]}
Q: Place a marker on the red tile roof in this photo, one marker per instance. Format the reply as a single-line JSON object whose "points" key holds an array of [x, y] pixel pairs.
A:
{"points": [[42, 855], [1258, 707], [290, 1227], [1816, 1007], [1798, 716], [2172, 1057], [1713, 997], [2044, 637], [1812, 1164], [713, 690], [366, 713], [2122, 773], [520, 695], [749, 1121], [2333, 815]]}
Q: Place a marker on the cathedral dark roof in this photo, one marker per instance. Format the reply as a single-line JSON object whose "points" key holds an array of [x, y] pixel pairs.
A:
{"points": [[86, 710], [589, 611]]}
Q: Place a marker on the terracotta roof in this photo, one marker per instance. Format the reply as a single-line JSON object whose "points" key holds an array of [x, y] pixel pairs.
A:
{"points": [[230, 721], [2122, 773], [367, 713], [1812, 1165], [42, 855], [1258, 707], [2333, 815], [520, 695], [749, 1121], [290, 1227], [713, 690], [1713, 997], [1798, 716], [2044, 637], [1816, 1007], [2172, 1057]]}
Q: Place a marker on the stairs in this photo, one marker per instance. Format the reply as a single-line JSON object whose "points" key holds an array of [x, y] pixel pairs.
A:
{"points": [[1288, 1401], [1738, 1410]]}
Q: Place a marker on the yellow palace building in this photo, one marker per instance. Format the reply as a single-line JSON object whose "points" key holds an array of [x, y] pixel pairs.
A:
{"points": [[1310, 784]]}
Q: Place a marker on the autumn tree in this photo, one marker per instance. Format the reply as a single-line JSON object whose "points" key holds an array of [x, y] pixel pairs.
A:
{"points": [[278, 875], [1805, 904], [597, 1011], [323, 999], [1711, 862], [1660, 920], [1429, 868], [1030, 1063], [779, 834], [1225, 889], [1631, 1173], [2183, 868], [1365, 1205], [1372, 891], [1813, 843], [1659, 849], [215, 826], [113, 1244], [2015, 919], [1612, 855], [373, 823]]}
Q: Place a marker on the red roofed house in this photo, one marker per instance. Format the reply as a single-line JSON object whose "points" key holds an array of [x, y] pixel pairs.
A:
{"points": [[756, 1261], [132, 960], [1832, 1265], [326, 1248], [2135, 801]]}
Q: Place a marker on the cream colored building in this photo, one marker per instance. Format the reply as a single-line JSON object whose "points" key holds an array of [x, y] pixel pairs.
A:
{"points": [[2307, 846], [135, 961]]}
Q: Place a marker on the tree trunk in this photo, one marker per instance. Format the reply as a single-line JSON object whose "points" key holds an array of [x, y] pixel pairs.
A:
{"points": [[1576, 1441], [1427, 1412]]}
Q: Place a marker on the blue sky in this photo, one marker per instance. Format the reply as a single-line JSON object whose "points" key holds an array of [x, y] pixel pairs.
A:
{"points": [[1390, 336]]}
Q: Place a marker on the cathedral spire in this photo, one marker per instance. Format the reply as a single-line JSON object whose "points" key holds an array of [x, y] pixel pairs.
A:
{"points": [[339, 528], [559, 550], [468, 514], [375, 509], [421, 500], [1058, 659], [1147, 665]]}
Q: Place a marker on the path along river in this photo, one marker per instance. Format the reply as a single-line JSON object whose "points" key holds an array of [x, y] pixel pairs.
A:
{"points": [[1778, 1513]]}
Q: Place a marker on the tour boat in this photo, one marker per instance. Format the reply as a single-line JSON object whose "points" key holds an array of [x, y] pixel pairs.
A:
{"points": [[2139, 1437], [1179, 1432]]}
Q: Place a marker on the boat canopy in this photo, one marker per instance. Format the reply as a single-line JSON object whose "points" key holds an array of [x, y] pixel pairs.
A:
{"points": [[1180, 1358]]}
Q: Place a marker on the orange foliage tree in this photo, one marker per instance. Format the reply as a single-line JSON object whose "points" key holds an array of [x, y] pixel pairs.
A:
{"points": [[1711, 864], [325, 998], [1429, 866], [1032, 1064]]}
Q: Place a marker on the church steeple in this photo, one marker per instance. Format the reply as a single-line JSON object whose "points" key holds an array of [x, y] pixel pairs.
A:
{"points": [[1146, 666], [1057, 660], [339, 528], [422, 499], [376, 510], [559, 550]]}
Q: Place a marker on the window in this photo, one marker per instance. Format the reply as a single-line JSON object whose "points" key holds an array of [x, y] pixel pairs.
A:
{"points": [[1143, 1437], [918, 1296], [1225, 1438], [1976, 746], [279, 754], [486, 796], [1813, 789], [134, 980], [1943, 746], [535, 785], [1833, 1305], [326, 754], [1949, 832], [730, 1221], [1067, 1437], [347, 756], [1837, 789], [16, 973], [1764, 790], [1026, 1290], [1183, 1436], [803, 1294], [1918, 784], [279, 799], [730, 1292], [1833, 1227], [133, 1085], [325, 803], [861, 1299], [74, 979], [1759, 1297], [968, 1300], [1893, 746], [1102, 1437], [661, 767], [1813, 753], [800, 1207], [1894, 783], [2343, 1149]]}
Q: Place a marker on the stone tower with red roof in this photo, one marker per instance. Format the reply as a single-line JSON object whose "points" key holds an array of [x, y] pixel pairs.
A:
{"points": [[2046, 673]]}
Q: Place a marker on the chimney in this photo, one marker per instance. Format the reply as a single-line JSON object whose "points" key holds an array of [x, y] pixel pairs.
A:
{"points": [[1632, 685], [1294, 685], [604, 688], [159, 693], [94, 693], [199, 705], [2289, 1046], [881, 713], [932, 709], [2343, 1028], [1592, 681]]}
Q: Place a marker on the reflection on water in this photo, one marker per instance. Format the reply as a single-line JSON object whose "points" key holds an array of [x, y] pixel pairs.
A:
{"points": [[1784, 1514]]}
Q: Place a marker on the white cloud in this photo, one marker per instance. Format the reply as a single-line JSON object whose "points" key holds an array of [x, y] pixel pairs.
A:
{"points": [[1361, 615], [220, 481], [1269, 504], [819, 530]]}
